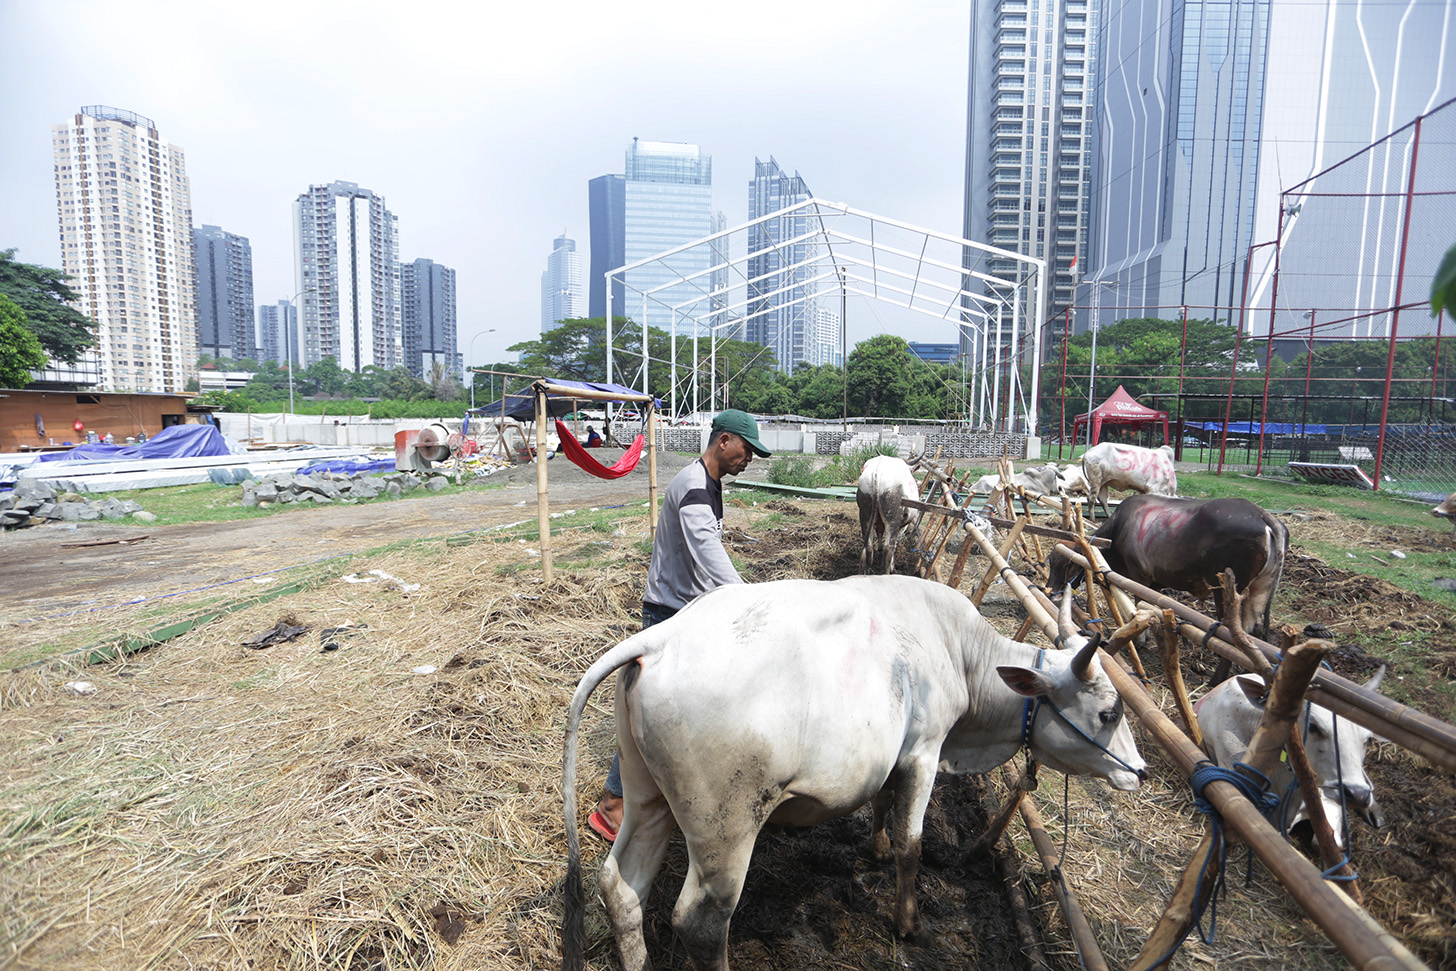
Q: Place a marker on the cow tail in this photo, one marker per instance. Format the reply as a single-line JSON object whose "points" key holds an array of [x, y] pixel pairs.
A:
{"points": [[573, 921]]}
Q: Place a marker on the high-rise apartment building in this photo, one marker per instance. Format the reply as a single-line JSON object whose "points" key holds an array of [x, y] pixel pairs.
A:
{"points": [[125, 212], [561, 296], [346, 262], [1027, 155], [427, 292], [607, 209], [783, 311], [1208, 110], [278, 333], [224, 266], [664, 200]]}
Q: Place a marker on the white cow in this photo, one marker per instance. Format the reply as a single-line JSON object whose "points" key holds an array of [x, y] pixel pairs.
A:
{"points": [[799, 701], [883, 483], [1039, 480], [1109, 465], [1072, 481], [1228, 715]]}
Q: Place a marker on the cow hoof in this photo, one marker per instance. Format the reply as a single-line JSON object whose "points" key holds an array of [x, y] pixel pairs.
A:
{"points": [[920, 936]]}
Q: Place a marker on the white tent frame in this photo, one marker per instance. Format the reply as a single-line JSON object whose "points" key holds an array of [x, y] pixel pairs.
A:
{"points": [[848, 257]]}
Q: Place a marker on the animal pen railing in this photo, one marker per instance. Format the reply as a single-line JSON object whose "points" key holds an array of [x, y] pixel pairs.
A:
{"points": [[1339, 360], [1338, 913]]}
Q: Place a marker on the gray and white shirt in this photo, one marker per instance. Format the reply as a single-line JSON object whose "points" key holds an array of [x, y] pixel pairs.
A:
{"points": [[688, 558]]}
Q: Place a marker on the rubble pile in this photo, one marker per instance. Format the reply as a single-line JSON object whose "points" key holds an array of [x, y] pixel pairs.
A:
{"points": [[34, 503], [330, 487]]}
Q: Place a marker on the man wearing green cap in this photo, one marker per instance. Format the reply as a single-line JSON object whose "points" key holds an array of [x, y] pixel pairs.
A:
{"points": [[688, 558]]}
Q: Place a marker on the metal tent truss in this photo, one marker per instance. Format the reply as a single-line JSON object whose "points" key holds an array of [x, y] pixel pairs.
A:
{"points": [[792, 270]]}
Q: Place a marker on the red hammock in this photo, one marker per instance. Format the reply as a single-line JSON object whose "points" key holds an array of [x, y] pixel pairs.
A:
{"points": [[573, 450]]}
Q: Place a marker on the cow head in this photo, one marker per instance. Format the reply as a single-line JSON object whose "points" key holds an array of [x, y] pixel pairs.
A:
{"points": [[1078, 723], [1336, 749]]}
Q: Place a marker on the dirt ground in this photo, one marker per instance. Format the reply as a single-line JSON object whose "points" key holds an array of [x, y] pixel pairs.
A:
{"points": [[422, 804], [44, 577]]}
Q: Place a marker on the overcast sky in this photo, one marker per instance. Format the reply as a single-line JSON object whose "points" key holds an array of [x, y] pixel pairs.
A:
{"points": [[480, 123]]}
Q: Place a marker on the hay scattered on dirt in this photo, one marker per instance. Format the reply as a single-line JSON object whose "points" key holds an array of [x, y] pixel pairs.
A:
{"points": [[213, 805]]}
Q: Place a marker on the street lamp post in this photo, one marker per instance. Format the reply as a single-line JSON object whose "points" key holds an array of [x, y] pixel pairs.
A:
{"points": [[288, 341], [1097, 286], [477, 337]]}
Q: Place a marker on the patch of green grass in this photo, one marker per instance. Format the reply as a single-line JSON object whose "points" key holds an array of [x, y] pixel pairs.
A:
{"points": [[256, 680], [206, 502]]}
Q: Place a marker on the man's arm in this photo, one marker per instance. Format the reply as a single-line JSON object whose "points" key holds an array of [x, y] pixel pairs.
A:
{"points": [[704, 536]]}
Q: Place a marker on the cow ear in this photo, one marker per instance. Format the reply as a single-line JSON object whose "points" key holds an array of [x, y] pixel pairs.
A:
{"points": [[1253, 689], [1025, 681]]}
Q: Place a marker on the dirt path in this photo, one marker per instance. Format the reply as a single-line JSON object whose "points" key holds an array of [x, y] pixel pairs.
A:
{"points": [[44, 577]]}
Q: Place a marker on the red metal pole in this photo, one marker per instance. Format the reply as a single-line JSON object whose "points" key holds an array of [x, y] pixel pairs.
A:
{"points": [[1182, 361], [1269, 352], [1410, 191], [1436, 364], [1238, 335], [1062, 425]]}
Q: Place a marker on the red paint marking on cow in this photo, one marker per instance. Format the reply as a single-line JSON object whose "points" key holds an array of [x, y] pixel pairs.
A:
{"points": [[1166, 520]]}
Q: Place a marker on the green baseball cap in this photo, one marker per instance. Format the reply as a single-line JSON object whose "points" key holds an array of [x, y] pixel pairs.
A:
{"points": [[741, 423]]}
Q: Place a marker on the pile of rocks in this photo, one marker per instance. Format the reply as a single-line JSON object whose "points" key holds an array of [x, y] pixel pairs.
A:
{"points": [[34, 503], [328, 487]]}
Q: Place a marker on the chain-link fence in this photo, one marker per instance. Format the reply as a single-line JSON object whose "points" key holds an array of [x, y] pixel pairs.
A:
{"points": [[1339, 361]]}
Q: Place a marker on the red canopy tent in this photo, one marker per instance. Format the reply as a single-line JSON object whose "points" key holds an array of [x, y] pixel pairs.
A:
{"points": [[1119, 409]]}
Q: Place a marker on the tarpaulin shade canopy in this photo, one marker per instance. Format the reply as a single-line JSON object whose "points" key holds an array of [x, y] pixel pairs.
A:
{"points": [[1254, 427], [174, 442], [1120, 408], [522, 405]]}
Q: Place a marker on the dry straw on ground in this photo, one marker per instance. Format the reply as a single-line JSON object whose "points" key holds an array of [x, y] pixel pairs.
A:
{"points": [[216, 806]]}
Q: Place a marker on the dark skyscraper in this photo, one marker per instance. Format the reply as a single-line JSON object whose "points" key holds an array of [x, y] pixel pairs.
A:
{"points": [[427, 298], [607, 200], [224, 263]]}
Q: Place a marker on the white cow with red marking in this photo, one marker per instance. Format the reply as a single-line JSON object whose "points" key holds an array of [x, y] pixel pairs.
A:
{"points": [[884, 483], [1130, 468], [800, 701]]}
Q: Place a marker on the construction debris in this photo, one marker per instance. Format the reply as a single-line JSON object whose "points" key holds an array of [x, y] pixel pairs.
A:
{"points": [[328, 487], [33, 503]]}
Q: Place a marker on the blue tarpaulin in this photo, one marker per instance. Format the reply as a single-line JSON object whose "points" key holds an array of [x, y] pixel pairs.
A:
{"points": [[1252, 428], [176, 442], [349, 466]]}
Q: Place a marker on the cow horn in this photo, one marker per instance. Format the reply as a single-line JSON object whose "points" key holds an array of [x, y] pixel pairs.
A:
{"points": [[1082, 663], [1064, 619]]}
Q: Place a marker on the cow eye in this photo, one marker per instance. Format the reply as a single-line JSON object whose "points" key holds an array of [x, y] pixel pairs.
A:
{"points": [[1315, 728], [1108, 716]]}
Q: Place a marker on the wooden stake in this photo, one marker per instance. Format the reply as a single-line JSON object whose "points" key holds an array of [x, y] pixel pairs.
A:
{"points": [[1019, 787], [1173, 671]]}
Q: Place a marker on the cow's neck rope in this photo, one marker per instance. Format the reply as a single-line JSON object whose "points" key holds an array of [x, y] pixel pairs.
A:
{"points": [[1033, 707]]}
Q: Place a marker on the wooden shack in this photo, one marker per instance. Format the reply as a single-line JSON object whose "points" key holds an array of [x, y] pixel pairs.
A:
{"points": [[41, 419]]}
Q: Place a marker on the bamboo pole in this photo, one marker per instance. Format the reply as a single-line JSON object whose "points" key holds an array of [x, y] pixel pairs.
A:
{"points": [[1009, 869], [1087, 947], [997, 557], [1429, 737], [543, 508]]}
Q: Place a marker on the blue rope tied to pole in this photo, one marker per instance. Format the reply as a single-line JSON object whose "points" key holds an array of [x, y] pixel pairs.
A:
{"points": [[1253, 787]]}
